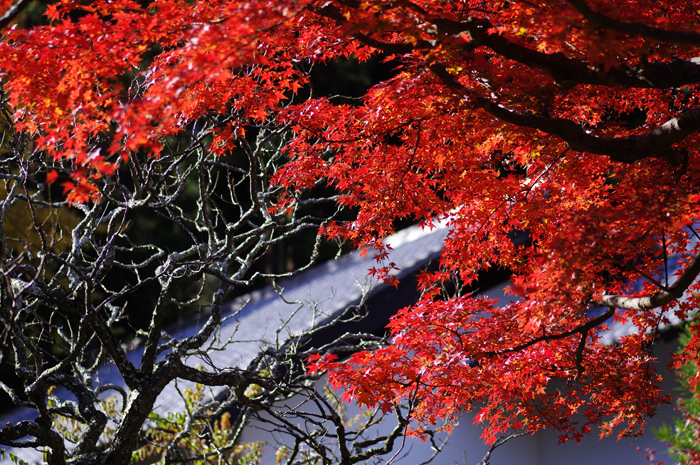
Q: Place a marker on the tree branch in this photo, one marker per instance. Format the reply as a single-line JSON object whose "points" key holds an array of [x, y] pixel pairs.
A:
{"points": [[565, 71], [582, 329], [656, 143], [13, 12], [635, 29], [44, 436], [659, 299], [568, 71]]}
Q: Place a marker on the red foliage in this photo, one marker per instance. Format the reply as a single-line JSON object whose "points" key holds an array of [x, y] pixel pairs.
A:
{"points": [[576, 121]]}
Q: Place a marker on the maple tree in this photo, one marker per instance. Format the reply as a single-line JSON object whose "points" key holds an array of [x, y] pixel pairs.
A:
{"points": [[572, 121]]}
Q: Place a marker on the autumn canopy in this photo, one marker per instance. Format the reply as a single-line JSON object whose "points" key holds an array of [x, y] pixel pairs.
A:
{"points": [[573, 122]]}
